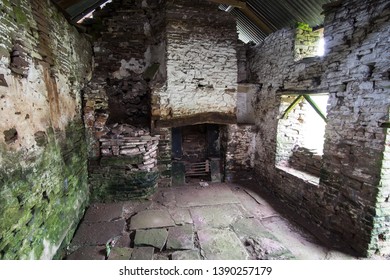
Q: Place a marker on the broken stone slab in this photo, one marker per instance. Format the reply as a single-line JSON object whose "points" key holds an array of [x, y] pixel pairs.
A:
{"points": [[217, 216], [251, 228], [166, 198], [151, 237], [260, 242], [221, 244], [103, 212], [120, 253], [98, 233], [181, 238], [160, 257], [301, 244], [142, 253], [151, 219], [124, 240], [252, 207], [186, 255], [88, 253], [181, 216], [262, 248], [213, 195], [135, 206]]}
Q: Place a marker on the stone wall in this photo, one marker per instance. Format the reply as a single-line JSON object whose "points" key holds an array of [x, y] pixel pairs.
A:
{"points": [[129, 52], [164, 156], [381, 232], [44, 63], [128, 166], [307, 41], [349, 204], [201, 65], [238, 145], [129, 48]]}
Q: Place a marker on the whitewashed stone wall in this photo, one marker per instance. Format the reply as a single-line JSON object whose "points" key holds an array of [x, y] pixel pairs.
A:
{"points": [[201, 62]]}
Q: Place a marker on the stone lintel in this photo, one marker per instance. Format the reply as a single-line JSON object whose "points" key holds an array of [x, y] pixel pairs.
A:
{"points": [[200, 118]]}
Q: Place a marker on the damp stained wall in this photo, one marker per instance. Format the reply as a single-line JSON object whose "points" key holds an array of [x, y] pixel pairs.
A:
{"points": [[44, 64]]}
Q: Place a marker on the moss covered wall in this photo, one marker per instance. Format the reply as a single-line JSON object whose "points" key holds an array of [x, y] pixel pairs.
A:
{"points": [[44, 64]]}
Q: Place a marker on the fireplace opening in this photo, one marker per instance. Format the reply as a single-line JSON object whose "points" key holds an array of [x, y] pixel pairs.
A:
{"points": [[196, 154]]}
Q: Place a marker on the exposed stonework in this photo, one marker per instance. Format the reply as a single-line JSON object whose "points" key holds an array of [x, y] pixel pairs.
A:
{"points": [[44, 64], [306, 160], [239, 149], [164, 156], [128, 166], [129, 49], [201, 64], [345, 205], [307, 41]]}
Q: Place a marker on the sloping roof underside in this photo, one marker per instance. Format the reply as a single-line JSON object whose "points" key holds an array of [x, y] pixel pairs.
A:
{"points": [[276, 14]]}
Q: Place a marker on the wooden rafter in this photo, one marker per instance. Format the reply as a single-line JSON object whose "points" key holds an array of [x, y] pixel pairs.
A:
{"points": [[292, 106], [309, 100], [315, 107]]}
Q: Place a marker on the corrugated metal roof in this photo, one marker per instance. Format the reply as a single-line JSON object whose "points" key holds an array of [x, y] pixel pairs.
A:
{"points": [[78, 9], [275, 14]]}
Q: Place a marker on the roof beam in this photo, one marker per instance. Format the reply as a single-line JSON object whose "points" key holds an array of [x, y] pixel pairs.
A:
{"points": [[248, 12]]}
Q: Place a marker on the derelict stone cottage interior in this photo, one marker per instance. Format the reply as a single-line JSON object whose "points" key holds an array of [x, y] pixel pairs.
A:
{"points": [[176, 129]]}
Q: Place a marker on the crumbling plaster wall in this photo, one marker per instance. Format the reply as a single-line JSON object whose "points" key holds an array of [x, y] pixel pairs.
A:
{"points": [[44, 64], [350, 204], [201, 63]]}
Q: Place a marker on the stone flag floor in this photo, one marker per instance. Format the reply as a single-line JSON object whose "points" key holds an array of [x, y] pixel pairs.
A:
{"points": [[217, 222]]}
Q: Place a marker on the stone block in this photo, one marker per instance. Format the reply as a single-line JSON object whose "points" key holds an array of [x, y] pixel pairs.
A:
{"points": [[151, 219], [120, 253], [88, 253], [103, 212], [151, 237], [181, 238], [221, 244], [98, 233], [142, 253], [186, 255]]}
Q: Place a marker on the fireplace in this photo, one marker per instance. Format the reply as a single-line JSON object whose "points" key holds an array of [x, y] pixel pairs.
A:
{"points": [[196, 153]]}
